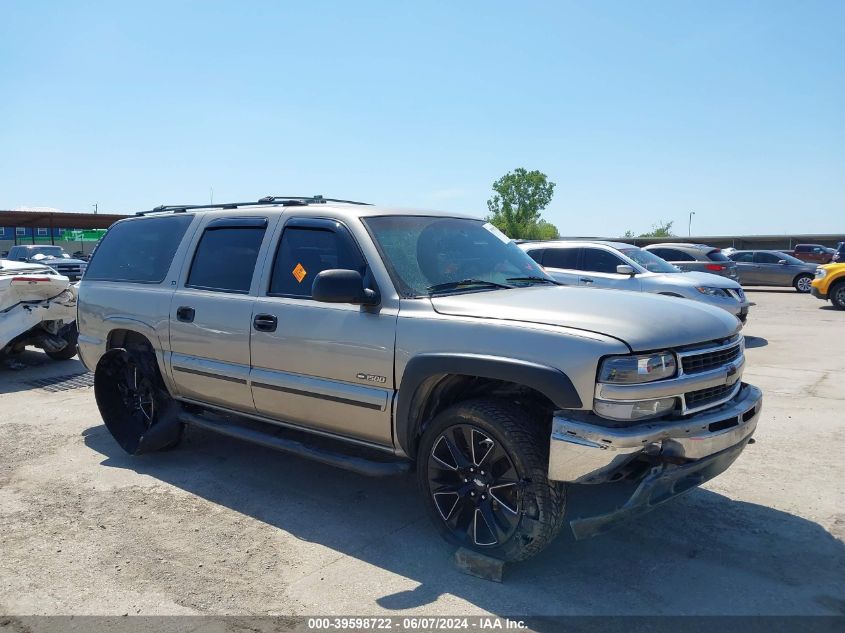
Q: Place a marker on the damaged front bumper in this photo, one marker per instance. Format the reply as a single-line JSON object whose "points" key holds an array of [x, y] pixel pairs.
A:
{"points": [[684, 453]]}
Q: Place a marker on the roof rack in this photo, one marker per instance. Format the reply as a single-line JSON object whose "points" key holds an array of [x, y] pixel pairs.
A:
{"points": [[285, 201]]}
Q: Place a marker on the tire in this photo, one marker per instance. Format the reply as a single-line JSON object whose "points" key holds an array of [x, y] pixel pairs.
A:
{"points": [[462, 497], [134, 402], [802, 283], [837, 295], [70, 334]]}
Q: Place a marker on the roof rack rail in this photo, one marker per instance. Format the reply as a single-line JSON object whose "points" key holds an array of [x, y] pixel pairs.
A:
{"points": [[286, 201]]}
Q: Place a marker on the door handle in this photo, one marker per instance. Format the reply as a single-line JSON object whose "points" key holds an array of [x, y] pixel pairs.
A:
{"points": [[185, 314], [586, 280], [265, 322]]}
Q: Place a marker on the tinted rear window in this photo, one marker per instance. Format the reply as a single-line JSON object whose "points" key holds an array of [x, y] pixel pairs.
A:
{"points": [[717, 256], [566, 258], [225, 259], [138, 251], [599, 261]]}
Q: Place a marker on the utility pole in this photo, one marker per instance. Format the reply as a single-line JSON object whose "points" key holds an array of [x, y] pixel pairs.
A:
{"points": [[689, 227], [95, 208]]}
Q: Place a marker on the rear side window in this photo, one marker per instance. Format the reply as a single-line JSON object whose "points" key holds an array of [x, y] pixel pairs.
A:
{"points": [[672, 255], [306, 252], [717, 256], [225, 259], [562, 258], [599, 261], [138, 251]]}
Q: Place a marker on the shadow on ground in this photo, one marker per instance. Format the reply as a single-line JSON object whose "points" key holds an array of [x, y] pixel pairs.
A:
{"points": [[752, 342], [703, 553], [17, 369]]}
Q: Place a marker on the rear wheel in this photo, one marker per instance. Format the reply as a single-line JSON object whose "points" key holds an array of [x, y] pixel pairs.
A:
{"points": [[837, 295], [803, 283], [134, 403], [482, 469], [69, 333]]}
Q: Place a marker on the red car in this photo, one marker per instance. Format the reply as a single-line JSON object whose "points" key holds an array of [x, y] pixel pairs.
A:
{"points": [[814, 253]]}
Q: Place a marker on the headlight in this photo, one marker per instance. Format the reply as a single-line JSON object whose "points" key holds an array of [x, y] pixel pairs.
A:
{"points": [[712, 292], [629, 370], [635, 410], [820, 273]]}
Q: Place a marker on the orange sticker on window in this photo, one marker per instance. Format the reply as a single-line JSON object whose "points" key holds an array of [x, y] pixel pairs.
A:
{"points": [[299, 272]]}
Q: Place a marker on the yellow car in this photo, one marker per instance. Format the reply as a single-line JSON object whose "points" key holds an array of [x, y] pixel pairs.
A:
{"points": [[830, 284]]}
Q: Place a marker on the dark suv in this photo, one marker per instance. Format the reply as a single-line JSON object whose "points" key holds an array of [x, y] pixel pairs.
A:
{"points": [[696, 258]]}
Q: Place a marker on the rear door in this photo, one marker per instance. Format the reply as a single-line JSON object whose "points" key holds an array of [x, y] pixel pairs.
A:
{"points": [[327, 366], [598, 270], [211, 312], [745, 267], [562, 264]]}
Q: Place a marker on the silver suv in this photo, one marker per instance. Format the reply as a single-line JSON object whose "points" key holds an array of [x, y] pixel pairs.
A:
{"points": [[619, 266], [376, 339], [696, 258]]}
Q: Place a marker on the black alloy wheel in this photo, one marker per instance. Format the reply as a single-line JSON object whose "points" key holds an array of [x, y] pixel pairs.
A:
{"points": [[475, 486]]}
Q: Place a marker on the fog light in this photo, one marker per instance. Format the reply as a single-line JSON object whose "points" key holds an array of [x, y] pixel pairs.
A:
{"points": [[634, 410]]}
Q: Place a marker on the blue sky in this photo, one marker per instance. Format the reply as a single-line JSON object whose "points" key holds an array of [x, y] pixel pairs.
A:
{"points": [[639, 111]]}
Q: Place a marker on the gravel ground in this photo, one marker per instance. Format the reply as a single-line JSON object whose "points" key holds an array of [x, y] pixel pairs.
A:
{"points": [[219, 527]]}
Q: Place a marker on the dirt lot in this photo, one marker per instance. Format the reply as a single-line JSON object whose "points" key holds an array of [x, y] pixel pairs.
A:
{"points": [[221, 527]]}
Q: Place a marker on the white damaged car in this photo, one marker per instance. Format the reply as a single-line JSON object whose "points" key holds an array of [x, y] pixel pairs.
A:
{"points": [[38, 308]]}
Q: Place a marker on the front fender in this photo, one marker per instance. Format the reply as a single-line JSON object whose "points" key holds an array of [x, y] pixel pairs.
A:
{"points": [[417, 383]]}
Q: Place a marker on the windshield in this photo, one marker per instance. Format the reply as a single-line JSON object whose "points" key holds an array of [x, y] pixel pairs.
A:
{"points": [[48, 251], [649, 261], [434, 255]]}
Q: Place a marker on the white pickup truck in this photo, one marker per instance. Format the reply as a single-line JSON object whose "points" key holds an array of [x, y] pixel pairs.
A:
{"points": [[38, 308]]}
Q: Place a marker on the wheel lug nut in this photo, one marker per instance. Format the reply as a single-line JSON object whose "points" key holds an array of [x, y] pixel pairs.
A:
{"points": [[483, 497]]}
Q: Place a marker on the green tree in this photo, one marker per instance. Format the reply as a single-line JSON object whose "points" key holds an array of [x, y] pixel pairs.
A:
{"points": [[660, 229], [519, 197]]}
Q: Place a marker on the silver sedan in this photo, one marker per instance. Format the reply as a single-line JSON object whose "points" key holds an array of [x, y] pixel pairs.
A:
{"points": [[773, 268]]}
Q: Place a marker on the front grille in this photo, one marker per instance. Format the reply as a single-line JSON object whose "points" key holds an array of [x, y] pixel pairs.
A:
{"points": [[710, 360], [703, 397], [73, 270]]}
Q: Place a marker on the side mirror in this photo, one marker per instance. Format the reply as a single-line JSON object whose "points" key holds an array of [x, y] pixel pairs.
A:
{"points": [[342, 286], [782, 261], [625, 269]]}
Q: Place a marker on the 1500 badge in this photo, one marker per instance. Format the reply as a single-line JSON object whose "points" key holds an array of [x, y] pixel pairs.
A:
{"points": [[371, 378]]}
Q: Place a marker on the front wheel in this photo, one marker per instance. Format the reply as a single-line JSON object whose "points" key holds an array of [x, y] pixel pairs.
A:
{"points": [[803, 283], [837, 295], [483, 471]]}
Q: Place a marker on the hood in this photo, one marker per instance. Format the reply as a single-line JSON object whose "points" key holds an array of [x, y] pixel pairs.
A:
{"points": [[644, 321], [693, 279], [52, 261]]}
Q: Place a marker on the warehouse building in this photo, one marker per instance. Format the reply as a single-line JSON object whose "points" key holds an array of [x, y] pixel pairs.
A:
{"points": [[75, 232]]}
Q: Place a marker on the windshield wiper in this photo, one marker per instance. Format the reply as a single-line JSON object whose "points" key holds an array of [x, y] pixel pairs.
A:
{"points": [[454, 285], [542, 280]]}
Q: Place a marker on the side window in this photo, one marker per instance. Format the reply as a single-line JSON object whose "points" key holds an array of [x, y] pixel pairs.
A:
{"points": [[305, 252], [768, 258], [138, 251], [225, 258], [566, 258], [746, 258], [537, 255], [600, 261], [674, 255]]}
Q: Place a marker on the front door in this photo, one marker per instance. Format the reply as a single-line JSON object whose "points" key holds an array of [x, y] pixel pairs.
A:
{"points": [[211, 314], [770, 272], [746, 268], [562, 264], [322, 365], [598, 270]]}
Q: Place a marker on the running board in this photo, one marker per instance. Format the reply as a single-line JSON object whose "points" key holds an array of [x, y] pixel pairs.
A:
{"points": [[355, 463]]}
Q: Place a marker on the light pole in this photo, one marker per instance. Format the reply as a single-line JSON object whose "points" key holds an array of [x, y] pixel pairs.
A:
{"points": [[689, 226], [95, 208]]}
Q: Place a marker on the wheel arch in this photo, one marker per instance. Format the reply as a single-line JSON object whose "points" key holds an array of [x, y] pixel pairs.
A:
{"points": [[432, 382], [137, 336]]}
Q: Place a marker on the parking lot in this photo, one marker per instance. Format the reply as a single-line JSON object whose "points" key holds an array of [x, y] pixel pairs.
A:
{"points": [[217, 526]]}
